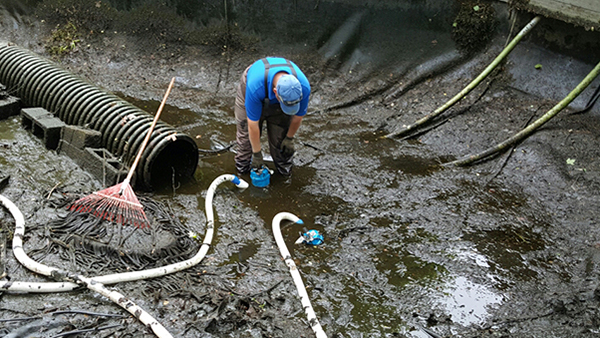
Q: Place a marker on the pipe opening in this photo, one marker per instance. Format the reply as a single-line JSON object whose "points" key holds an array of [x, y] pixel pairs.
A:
{"points": [[171, 163]]}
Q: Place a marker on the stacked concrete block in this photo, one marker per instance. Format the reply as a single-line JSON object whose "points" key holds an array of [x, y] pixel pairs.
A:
{"points": [[9, 105], [43, 125], [80, 137], [83, 145]]}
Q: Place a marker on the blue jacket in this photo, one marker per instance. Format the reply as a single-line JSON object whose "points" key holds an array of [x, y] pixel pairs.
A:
{"points": [[255, 86]]}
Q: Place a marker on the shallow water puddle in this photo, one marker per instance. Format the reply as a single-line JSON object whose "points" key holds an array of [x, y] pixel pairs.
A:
{"points": [[468, 302]]}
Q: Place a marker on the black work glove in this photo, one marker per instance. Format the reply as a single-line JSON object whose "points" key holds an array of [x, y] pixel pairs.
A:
{"points": [[257, 160], [287, 147]]}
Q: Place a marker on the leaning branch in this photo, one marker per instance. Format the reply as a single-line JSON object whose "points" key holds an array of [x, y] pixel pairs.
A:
{"points": [[471, 85], [531, 128]]}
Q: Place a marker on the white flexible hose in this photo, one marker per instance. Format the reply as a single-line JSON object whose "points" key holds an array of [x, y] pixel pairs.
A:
{"points": [[128, 305], [310, 313], [97, 283], [175, 267], [112, 278], [114, 296], [25, 260]]}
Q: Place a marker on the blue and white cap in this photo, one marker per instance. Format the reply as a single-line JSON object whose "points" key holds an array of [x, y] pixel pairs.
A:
{"points": [[289, 93]]}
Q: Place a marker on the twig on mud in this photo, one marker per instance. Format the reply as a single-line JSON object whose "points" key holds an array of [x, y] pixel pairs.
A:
{"points": [[429, 332], [424, 120], [357, 100], [96, 329], [217, 151], [89, 313], [590, 103], [266, 291], [520, 136], [510, 152], [421, 72], [52, 190], [513, 14], [311, 146], [457, 113], [519, 320], [21, 319]]}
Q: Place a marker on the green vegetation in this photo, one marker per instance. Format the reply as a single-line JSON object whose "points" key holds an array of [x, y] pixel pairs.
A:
{"points": [[62, 40]]}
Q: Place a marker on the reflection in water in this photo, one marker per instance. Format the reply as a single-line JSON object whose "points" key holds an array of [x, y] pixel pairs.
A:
{"points": [[467, 302], [506, 247]]}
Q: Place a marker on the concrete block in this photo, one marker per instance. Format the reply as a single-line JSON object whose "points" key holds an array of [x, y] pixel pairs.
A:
{"points": [[81, 137], [65, 148], [48, 129], [9, 106], [43, 125], [102, 164], [97, 161], [30, 114]]}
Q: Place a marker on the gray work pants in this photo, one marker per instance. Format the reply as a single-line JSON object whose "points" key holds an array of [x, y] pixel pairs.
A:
{"points": [[278, 124]]}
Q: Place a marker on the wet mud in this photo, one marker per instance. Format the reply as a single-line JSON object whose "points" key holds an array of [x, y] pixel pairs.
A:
{"points": [[508, 247]]}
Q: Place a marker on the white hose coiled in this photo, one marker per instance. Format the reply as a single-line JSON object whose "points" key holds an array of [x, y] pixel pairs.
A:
{"points": [[97, 283]]}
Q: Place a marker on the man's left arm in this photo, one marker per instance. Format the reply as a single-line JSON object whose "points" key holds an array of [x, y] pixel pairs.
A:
{"points": [[287, 145], [295, 123]]}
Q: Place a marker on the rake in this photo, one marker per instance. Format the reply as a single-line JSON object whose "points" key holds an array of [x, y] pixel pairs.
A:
{"points": [[118, 203]]}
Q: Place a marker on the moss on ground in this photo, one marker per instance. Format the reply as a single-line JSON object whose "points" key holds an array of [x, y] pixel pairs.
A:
{"points": [[473, 26], [62, 40]]}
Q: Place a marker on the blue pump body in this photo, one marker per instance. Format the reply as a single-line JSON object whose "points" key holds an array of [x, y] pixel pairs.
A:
{"points": [[260, 177], [313, 237]]}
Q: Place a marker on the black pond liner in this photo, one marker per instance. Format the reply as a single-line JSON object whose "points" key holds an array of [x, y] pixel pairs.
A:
{"points": [[96, 247], [41, 83]]}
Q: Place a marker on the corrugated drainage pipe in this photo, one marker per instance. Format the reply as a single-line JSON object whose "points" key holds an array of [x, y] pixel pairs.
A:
{"points": [[41, 83]]}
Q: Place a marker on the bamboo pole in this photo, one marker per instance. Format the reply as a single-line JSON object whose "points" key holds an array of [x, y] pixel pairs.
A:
{"points": [[532, 127], [471, 85]]}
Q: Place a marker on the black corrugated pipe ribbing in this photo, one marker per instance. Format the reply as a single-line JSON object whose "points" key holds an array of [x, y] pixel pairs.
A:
{"points": [[41, 83]]}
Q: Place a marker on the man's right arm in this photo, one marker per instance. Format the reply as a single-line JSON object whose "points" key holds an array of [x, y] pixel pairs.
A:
{"points": [[254, 135]]}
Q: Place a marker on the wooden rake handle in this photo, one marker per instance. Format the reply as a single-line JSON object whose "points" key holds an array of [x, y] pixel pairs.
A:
{"points": [[145, 143]]}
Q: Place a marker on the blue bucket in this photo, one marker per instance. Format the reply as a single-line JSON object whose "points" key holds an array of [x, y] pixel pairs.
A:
{"points": [[260, 177]]}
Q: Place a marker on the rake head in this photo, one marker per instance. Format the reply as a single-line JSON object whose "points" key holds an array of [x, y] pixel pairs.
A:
{"points": [[116, 204]]}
